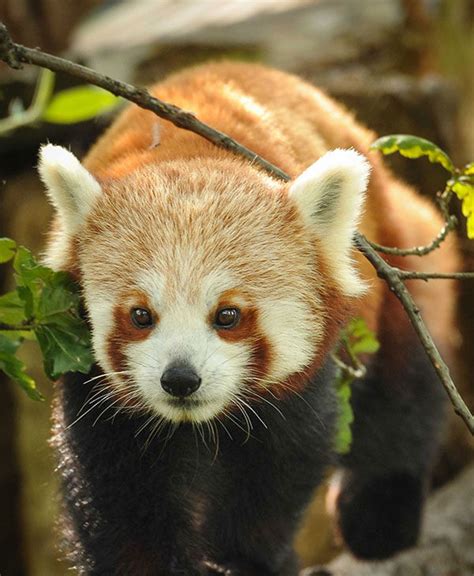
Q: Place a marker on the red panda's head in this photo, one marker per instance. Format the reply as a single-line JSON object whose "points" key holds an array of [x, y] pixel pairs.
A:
{"points": [[206, 282]]}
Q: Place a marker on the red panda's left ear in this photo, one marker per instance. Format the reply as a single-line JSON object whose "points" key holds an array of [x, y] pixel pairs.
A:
{"points": [[70, 187], [330, 196]]}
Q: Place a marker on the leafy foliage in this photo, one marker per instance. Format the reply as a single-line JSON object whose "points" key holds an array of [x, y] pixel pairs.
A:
{"points": [[45, 306], [356, 340], [7, 249], [461, 181]]}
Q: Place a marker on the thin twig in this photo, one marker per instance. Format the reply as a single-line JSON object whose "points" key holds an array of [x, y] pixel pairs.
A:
{"points": [[43, 92], [419, 250], [414, 275], [15, 54], [390, 275], [359, 372]]}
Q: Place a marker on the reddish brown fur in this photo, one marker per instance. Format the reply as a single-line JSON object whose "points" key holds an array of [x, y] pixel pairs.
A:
{"points": [[291, 124], [302, 124], [299, 125], [124, 330]]}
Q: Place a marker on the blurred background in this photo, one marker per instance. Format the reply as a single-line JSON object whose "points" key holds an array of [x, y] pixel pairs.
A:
{"points": [[403, 66]]}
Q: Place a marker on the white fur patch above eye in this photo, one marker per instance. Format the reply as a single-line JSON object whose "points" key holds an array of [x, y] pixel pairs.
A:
{"points": [[330, 195], [70, 187]]}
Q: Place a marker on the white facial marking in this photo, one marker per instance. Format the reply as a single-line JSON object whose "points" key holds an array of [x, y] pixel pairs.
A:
{"points": [[184, 333], [292, 333], [101, 313]]}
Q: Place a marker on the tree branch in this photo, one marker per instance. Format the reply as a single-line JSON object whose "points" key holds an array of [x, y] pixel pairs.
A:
{"points": [[41, 98], [15, 54], [392, 277], [414, 275], [420, 250]]}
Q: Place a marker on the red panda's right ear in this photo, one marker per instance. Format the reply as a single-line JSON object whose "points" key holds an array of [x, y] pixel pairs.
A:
{"points": [[330, 196], [70, 187]]}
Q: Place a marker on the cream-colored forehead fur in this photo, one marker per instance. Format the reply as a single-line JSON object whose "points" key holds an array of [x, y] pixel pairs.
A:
{"points": [[185, 220]]}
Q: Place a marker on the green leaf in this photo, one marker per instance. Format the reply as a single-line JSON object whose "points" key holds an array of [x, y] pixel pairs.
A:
{"points": [[8, 345], [28, 270], [48, 303], [12, 310], [59, 297], [356, 339], [470, 227], [7, 249], [463, 187], [78, 104], [343, 438], [31, 278], [65, 347], [413, 147], [361, 339], [469, 168], [63, 336], [15, 368]]}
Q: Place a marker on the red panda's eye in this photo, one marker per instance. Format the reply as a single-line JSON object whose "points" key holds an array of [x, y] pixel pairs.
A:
{"points": [[141, 317], [227, 318]]}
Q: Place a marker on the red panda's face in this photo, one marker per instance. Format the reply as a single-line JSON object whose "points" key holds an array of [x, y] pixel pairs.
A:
{"points": [[204, 289]]}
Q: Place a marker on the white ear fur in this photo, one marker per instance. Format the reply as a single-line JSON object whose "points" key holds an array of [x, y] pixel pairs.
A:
{"points": [[70, 187], [330, 195]]}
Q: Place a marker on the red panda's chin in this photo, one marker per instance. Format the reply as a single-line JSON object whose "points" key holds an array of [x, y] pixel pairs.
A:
{"points": [[188, 409]]}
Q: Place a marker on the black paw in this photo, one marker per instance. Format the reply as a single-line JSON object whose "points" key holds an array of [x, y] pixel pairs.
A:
{"points": [[380, 516]]}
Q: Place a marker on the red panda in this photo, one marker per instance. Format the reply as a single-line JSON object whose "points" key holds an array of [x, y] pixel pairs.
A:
{"points": [[216, 294]]}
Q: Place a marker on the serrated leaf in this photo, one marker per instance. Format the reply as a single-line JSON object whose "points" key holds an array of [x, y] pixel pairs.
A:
{"points": [[78, 104], [8, 344], [28, 300], [28, 269], [343, 438], [413, 147], [58, 297], [31, 278], [12, 310], [361, 340], [15, 369], [358, 339], [48, 303], [65, 346], [7, 249]]}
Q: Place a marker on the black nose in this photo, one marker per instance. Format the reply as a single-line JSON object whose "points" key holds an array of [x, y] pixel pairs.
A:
{"points": [[180, 380]]}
